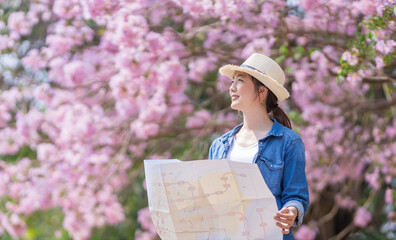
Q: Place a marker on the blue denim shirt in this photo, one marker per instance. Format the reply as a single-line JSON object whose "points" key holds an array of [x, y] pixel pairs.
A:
{"points": [[281, 160]]}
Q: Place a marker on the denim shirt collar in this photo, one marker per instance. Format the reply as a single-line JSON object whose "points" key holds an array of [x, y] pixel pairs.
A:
{"points": [[276, 130]]}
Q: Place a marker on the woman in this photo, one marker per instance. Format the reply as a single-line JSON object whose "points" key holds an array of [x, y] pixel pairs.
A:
{"points": [[265, 136]]}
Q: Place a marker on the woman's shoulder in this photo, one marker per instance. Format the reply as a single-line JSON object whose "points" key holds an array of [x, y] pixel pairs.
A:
{"points": [[290, 139], [290, 134]]}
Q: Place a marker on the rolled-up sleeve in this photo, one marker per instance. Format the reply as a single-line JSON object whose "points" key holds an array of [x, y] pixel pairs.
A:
{"points": [[294, 183], [211, 149]]}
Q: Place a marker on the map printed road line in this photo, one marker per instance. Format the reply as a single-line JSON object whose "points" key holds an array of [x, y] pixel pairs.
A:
{"points": [[210, 200]]}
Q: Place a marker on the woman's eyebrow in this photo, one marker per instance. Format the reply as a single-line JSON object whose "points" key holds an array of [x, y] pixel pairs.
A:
{"points": [[239, 75]]}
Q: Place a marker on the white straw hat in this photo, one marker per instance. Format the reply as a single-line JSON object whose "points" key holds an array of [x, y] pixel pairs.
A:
{"points": [[263, 69]]}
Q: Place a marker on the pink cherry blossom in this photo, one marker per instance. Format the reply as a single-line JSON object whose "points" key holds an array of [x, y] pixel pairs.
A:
{"points": [[77, 73], [6, 42], [97, 8], [67, 9], [199, 68], [379, 62], [199, 119], [351, 58], [144, 218], [144, 131], [362, 217], [34, 60], [372, 178], [389, 196], [59, 44], [130, 29], [13, 225], [19, 25], [114, 213], [47, 152], [309, 4], [385, 47], [146, 235], [305, 233], [366, 7], [4, 181], [27, 126], [9, 142], [5, 116], [262, 45], [345, 202]]}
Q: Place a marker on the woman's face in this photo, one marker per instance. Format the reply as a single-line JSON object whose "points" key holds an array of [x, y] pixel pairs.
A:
{"points": [[242, 92]]}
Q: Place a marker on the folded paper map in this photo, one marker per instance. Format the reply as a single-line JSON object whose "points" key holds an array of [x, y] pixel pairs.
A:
{"points": [[210, 200]]}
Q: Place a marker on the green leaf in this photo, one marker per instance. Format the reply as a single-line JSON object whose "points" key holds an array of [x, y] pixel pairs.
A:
{"points": [[387, 89], [30, 234], [289, 70], [388, 59], [363, 38], [43, 224], [283, 50], [280, 59], [298, 52], [295, 117], [91, 23], [23, 152], [340, 79]]}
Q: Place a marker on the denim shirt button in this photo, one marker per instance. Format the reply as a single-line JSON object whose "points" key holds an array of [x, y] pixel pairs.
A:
{"points": [[261, 143]]}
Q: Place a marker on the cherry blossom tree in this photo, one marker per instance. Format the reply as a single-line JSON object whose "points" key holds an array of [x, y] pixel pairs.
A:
{"points": [[90, 88]]}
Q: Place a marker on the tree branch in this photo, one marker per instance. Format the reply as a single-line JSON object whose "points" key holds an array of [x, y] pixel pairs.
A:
{"points": [[329, 216], [377, 105], [378, 80], [343, 233]]}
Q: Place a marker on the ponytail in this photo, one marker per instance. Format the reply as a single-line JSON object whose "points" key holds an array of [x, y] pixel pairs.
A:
{"points": [[273, 110], [280, 116]]}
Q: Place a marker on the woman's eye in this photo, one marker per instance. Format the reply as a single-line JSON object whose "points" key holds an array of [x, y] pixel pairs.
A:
{"points": [[238, 80]]}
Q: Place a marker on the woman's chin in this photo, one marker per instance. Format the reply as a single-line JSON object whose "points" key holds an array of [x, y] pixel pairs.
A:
{"points": [[235, 106]]}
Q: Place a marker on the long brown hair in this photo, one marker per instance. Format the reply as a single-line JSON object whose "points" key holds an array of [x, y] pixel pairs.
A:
{"points": [[271, 103]]}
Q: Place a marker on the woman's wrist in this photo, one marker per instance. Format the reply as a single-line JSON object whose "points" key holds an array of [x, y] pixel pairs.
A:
{"points": [[294, 210]]}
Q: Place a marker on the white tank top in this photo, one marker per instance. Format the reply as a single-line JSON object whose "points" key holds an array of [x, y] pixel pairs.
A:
{"points": [[241, 154]]}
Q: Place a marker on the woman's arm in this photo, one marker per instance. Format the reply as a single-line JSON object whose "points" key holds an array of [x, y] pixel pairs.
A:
{"points": [[294, 183]]}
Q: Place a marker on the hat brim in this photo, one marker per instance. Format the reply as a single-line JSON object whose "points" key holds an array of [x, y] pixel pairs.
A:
{"points": [[280, 92]]}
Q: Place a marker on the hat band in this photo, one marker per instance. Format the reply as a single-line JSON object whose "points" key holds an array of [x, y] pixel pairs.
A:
{"points": [[244, 65]]}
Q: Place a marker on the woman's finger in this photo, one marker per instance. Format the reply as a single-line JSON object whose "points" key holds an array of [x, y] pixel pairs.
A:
{"points": [[284, 220], [288, 217], [285, 228], [284, 224]]}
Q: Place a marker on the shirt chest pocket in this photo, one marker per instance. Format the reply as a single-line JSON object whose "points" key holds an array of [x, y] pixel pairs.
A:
{"points": [[272, 172]]}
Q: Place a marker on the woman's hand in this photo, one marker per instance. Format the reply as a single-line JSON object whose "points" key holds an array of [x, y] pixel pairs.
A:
{"points": [[285, 218]]}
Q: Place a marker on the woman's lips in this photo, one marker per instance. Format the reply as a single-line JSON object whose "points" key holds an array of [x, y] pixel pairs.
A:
{"points": [[234, 97]]}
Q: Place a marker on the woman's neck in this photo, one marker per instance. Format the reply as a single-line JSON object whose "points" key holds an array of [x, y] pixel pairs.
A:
{"points": [[257, 123]]}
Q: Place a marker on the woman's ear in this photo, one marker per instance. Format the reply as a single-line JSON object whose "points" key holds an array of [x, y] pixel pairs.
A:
{"points": [[262, 93], [262, 89]]}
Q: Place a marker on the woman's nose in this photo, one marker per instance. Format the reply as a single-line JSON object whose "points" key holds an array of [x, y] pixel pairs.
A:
{"points": [[232, 87]]}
